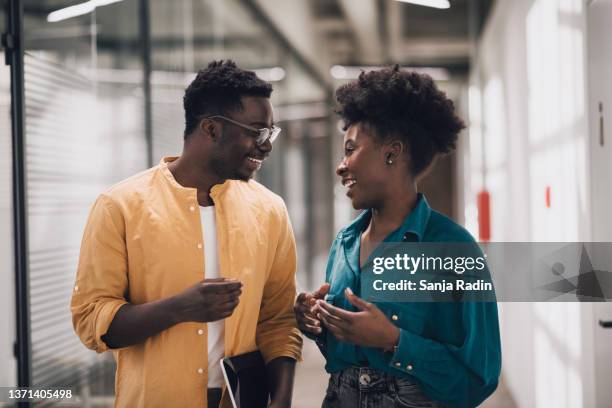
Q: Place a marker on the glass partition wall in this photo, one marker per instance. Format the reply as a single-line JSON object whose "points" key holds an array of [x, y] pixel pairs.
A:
{"points": [[84, 131], [104, 83], [7, 275]]}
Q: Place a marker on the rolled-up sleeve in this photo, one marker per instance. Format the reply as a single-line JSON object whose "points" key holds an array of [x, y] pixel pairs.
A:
{"points": [[101, 281], [277, 332]]}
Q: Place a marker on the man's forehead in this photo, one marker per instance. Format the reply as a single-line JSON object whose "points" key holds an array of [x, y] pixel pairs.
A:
{"points": [[256, 108]]}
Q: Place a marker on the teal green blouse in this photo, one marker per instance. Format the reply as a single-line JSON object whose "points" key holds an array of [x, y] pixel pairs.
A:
{"points": [[451, 349]]}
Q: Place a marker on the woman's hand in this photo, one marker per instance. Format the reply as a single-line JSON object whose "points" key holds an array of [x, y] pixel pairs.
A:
{"points": [[368, 328], [303, 309]]}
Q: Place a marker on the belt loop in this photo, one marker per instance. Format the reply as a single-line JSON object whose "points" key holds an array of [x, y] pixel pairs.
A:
{"points": [[391, 383]]}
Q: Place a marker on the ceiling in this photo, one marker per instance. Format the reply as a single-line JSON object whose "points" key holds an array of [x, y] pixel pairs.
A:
{"points": [[317, 33]]}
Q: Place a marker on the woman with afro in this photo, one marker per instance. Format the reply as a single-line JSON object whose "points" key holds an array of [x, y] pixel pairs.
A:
{"points": [[396, 354]]}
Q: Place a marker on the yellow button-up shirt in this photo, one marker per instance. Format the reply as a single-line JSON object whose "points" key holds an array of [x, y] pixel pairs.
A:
{"points": [[143, 242]]}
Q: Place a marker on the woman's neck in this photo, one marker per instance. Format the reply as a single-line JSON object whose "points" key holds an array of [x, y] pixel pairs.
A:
{"points": [[391, 214]]}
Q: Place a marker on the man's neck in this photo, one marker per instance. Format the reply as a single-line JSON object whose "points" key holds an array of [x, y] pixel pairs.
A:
{"points": [[192, 175]]}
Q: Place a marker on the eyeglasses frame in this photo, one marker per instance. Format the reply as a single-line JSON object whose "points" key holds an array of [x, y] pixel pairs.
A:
{"points": [[264, 134]]}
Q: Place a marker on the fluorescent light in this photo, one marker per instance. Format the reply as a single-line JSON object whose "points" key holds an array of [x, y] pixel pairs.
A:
{"points": [[77, 10], [346, 72], [439, 4], [273, 74]]}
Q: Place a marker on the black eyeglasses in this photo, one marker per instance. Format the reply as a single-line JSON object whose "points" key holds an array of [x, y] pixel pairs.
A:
{"points": [[263, 134]]}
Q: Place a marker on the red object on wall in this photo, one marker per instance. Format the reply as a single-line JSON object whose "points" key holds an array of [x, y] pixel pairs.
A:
{"points": [[547, 196], [484, 216]]}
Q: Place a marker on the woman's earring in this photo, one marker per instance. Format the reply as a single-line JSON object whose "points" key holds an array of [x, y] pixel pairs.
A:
{"points": [[389, 159]]}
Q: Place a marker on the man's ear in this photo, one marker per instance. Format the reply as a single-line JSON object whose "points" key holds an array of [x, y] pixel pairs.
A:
{"points": [[208, 128]]}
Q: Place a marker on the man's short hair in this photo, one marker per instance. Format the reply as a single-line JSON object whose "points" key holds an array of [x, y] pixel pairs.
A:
{"points": [[217, 89]]}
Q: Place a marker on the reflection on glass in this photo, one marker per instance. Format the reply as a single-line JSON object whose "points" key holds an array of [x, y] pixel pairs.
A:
{"points": [[84, 131], [7, 285]]}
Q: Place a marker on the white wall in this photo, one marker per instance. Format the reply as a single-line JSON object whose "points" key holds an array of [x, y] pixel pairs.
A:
{"points": [[528, 111]]}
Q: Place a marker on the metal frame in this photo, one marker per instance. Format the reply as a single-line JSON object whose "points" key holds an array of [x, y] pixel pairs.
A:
{"points": [[13, 42], [145, 37]]}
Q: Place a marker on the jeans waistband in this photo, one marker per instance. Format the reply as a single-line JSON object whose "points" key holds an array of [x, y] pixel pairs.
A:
{"points": [[365, 378]]}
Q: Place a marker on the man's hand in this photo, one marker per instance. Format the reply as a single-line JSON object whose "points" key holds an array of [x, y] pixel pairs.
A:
{"points": [[208, 300], [303, 309], [368, 328]]}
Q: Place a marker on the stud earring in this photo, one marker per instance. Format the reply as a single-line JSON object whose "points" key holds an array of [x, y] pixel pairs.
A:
{"points": [[389, 161]]}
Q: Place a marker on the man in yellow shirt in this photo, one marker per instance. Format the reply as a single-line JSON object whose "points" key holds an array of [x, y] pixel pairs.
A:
{"points": [[192, 260]]}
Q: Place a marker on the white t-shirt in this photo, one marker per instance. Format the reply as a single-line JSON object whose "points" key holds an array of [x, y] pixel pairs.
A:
{"points": [[216, 330]]}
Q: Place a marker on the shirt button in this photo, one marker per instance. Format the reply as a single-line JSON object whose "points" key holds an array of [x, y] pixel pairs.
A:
{"points": [[200, 371], [192, 208], [200, 332], [398, 364], [199, 245], [394, 318], [409, 367]]}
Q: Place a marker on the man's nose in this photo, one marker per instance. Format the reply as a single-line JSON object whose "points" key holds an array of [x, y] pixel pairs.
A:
{"points": [[341, 169], [265, 147]]}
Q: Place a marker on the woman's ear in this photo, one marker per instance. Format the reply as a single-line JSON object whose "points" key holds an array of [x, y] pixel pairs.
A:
{"points": [[393, 151]]}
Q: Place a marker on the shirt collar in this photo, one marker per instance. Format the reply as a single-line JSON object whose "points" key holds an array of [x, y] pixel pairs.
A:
{"points": [[215, 192], [415, 223]]}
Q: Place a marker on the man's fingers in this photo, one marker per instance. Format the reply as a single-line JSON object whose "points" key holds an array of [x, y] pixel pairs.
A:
{"points": [[220, 286], [232, 303], [228, 295]]}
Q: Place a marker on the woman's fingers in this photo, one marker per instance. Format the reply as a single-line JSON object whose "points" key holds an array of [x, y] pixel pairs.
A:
{"points": [[336, 331], [336, 312], [356, 300]]}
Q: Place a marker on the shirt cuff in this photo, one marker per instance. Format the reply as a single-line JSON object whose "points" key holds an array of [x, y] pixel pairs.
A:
{"points": [[103, 321], [406, 354], [293, 353]]}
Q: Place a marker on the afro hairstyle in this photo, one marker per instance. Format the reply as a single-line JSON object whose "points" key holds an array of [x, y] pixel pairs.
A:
{"points": [[404, 106]]}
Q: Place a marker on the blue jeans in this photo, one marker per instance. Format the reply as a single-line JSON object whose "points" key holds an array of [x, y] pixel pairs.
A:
{"points": [[369, 388]]}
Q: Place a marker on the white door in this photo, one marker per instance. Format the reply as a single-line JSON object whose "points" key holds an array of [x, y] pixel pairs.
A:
{"points": [[599, 18]]}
